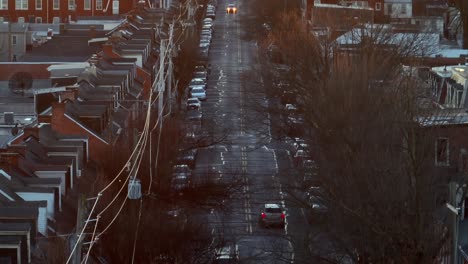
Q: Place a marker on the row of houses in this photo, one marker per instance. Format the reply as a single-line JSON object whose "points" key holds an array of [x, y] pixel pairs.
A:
{"points": [[72, 101]]}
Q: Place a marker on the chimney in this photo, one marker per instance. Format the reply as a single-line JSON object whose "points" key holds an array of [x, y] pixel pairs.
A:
{"points": [[92, 32], [71, 93], [58, 109], [108, 49], [31, 131]]}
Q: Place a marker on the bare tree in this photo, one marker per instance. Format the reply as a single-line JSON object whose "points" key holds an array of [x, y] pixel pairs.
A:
{"points": [[361, 111]]}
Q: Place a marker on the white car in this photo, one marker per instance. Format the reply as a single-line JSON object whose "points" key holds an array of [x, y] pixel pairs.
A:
{"points": [[227, 254], [197, 83], [199, 93], [193, 103]]}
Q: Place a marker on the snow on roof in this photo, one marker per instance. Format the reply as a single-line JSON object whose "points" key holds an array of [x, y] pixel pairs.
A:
{"points": [[341, 6], [382, 34]]}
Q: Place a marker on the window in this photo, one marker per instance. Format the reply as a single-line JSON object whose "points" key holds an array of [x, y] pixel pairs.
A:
{"points": [[14, 40], [38, 4], [403, 9], [389, 10], [20, 19], [442, 152], [39, 20], [98, 4], [378, 6], [87, 4], [56, 4], [3, 4], [21, 4], [71, 5]]}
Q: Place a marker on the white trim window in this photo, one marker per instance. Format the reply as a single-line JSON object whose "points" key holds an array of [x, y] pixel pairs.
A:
{"points": [[98, 4], [71, 5], [56, 4], [442, 151], [3, 4], [38, 4], [21, 4], [378, 6], [87, 4], [39, 20]]}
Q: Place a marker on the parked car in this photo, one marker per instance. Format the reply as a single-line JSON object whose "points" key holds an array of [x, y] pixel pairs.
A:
{"points": [[181, 175], [231, 9], [272, 214], [180, 183], [193, 103], [197, 83], [194, 115], [210, 14], [208, 27], [228, 254], [199, 93], [300, 156], [201, 75], [188, 157], [181, 169]]}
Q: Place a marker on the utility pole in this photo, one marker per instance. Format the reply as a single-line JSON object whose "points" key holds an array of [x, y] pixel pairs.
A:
{"points": [[161, 82], [170, 66]]}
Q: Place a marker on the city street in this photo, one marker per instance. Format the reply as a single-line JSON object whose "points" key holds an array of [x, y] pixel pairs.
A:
{"points": [[248, 153]]}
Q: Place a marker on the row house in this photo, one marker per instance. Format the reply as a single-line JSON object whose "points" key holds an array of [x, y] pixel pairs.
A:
{"points": [[450, 160], [417, 15], [96, 101], [448, 86], [61, 11]]}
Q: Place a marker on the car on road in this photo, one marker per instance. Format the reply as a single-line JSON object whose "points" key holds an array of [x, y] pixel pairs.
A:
{"points": [[188, 157], [194, 115], [180, 183], [272, 214], [197, 83], [193, 103], [208, 27], [231, 9], [181, 169], [201, 75], [199, 93], [210, 14], [228, 254], [300, 156]]}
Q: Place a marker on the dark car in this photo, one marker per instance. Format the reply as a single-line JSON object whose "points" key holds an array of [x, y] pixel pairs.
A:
{"points": [[188, 157]]}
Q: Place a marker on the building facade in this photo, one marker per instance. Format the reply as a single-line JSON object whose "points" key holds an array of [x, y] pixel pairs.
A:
{"points": [[60, 11]]}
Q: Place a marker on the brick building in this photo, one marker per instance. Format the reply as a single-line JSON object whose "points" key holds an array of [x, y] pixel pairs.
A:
{"points": [[60, 11]]}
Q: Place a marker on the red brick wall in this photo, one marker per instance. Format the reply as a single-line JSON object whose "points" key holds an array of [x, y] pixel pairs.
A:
{"points": [[63, 12], [64, 125], [37, 71]]}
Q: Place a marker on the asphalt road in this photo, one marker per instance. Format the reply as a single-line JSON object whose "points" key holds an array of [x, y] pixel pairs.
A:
{"points": [[248, 153]]}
